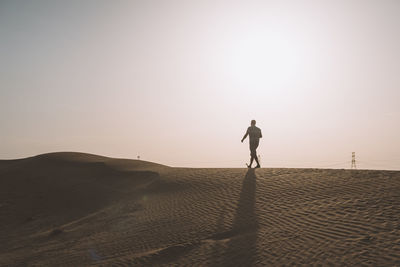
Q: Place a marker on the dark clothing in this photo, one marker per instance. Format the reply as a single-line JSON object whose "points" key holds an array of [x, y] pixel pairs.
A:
{"points": [[253, 147], [254, 134]]}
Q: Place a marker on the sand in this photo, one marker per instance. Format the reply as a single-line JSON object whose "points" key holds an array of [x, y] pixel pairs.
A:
{"points": [[74, 209]]}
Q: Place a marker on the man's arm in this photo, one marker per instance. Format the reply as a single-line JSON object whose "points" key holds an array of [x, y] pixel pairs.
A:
{"points": [[260, 134], [245, 135]]}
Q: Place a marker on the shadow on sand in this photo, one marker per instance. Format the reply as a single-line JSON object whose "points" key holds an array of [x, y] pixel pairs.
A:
{"points": [[241, 240]]}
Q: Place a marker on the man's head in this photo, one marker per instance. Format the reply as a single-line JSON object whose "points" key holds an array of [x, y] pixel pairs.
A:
{"points": [[253, 122]]}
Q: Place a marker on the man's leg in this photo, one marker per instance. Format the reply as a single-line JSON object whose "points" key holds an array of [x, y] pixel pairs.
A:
{"points": [[256, 158], [253, 154], [251, 161]]}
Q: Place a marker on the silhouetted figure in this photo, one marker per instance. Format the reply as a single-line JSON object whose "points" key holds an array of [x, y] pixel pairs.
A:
{"points": [[254, 134]]}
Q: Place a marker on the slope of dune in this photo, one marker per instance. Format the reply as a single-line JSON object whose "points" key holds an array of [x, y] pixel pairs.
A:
{"points": [[76, 209]]}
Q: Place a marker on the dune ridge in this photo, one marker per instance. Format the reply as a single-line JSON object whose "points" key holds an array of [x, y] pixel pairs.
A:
{"points": [[77, 209]]}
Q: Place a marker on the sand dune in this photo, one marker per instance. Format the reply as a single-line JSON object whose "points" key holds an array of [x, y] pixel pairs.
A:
{"points": [[75, 209]]}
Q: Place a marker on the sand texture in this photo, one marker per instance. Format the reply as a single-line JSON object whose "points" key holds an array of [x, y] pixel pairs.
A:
{"points": [[74, 209]]}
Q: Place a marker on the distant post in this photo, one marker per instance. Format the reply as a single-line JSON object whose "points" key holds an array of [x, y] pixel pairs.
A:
{"points": [[138, 157], [353, 160]]}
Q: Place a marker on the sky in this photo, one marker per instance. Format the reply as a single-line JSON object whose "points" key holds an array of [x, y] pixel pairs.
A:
{"points": [[178, 82]]}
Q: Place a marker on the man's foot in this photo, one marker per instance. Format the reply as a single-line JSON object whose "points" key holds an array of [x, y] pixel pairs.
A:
{"points": [[248, 166], [258, 166]]}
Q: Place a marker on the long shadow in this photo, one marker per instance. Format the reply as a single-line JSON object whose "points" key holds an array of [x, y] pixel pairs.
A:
{"points": [[241, 247]]}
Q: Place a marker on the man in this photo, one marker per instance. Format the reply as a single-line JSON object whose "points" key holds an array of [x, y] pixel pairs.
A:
{"points": [[254, 134]]}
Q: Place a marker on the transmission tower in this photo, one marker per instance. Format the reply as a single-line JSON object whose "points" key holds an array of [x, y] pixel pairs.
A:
{"points": [[353, 160]]}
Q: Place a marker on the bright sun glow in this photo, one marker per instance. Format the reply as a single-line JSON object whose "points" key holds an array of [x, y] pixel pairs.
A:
{"points": [[263, 58]]}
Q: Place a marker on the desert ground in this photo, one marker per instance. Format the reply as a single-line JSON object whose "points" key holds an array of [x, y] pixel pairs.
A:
{"points": [[75, 209]]}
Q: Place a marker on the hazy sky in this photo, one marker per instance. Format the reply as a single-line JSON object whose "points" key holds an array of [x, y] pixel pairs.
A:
{"points": [[177, 82]]}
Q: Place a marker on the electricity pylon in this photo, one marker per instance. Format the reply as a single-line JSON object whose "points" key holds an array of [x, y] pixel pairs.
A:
{"points": [[353, 160]]}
